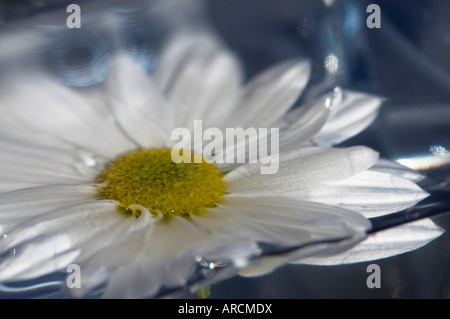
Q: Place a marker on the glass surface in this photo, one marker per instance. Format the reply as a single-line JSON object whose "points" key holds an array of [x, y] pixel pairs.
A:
{"points": [[406, 60]]}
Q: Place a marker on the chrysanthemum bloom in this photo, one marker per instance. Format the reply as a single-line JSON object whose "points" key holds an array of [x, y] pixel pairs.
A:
{"points": [[86, 176]]}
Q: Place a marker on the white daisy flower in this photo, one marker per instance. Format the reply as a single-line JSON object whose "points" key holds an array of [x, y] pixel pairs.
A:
{"points": [[87, 177]]}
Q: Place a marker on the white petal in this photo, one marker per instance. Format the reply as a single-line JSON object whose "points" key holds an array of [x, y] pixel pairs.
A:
{"points": [[12, 130], [356, 112], [267, 264], [165, 255], [149, 270], [138, 104], [25, 164], [23, 151], [37, 259], [34, 245], [271, 94], [302, 170], [160, 255], [147, 254], [281, 221], [29, 158], [371, 193], [304, 122], [134, 280], [99, 257], [21, 205], [43, 104], [72, 162], [80, 221], [200, 78], [384, 244], [13, 176], [289, 228]]}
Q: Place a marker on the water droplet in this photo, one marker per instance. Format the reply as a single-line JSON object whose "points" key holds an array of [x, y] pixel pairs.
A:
{"points": [[90, 161], [210, 264], [439, 150], [331, 63], [86, 162]]}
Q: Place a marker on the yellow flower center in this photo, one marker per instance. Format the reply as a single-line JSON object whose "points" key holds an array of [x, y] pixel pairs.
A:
{"points": [[151, 179]]}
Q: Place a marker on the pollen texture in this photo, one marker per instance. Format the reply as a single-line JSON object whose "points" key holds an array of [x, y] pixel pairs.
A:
{"points": [[151, 179]]}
